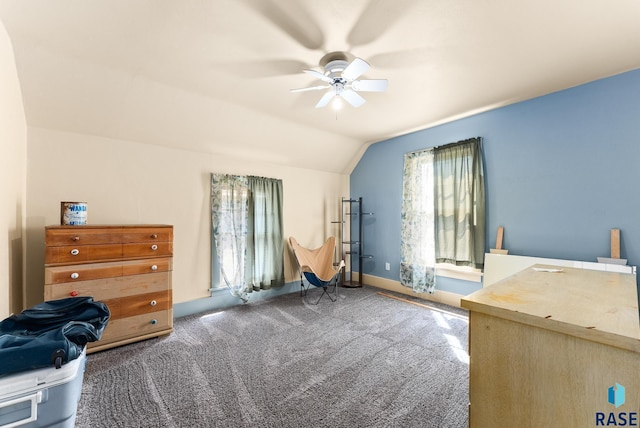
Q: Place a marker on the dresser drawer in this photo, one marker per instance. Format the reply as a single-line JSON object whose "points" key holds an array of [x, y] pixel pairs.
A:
{"points": [[135, 326], [77, 273], [100, 289], [145, 303], [123, 307], [159, 249], [137, 267], [110, 288], [73, 254], [145, 283], [79, 235], [147, 234]]}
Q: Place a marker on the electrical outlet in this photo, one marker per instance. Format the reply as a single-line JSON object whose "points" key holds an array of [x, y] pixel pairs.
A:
{"points": [[387, 266]]}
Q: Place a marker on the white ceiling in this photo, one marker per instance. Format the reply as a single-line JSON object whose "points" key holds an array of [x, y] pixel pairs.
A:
{"points": [[214, 75]]}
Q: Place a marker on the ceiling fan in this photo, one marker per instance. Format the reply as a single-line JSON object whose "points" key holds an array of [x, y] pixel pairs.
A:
{"points": [[341, 78]]}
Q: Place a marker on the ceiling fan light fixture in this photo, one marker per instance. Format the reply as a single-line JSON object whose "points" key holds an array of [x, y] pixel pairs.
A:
{"points": [[336, 104]]}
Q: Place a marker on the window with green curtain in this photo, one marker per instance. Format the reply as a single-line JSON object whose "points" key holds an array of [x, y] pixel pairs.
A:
{"points": [[247, 233], [443, 212], [459, 203]]}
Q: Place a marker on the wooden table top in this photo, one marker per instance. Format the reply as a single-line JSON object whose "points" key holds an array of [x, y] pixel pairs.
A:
{"points": [[592, 305]]}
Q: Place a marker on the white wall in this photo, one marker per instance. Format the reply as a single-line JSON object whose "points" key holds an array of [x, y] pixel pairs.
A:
{"points": [[13, 146], [126, 182]]}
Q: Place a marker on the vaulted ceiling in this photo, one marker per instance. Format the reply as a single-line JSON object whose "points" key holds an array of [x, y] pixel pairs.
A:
{"points": [[214, 75]]}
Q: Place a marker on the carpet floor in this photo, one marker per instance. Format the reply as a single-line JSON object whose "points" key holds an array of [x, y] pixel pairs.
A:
{"points": [[366, 360]]}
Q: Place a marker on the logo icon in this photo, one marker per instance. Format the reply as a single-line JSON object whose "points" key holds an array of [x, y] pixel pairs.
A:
{"points": [[616, 395]]}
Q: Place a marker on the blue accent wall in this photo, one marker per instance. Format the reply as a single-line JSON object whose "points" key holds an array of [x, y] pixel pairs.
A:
{"points": [[561, 170]]}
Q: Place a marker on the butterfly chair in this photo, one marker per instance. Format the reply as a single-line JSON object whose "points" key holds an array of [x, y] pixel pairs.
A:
{"points": [[317, 266]]}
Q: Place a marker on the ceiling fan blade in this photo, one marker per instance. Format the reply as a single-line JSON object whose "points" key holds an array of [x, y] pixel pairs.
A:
{"points": [[291, 18], [325, 99], [377, 18], [352, 97], [311, 88], [263, 68], [319, 75], [371, 85], [403, 58], [355, 69]]}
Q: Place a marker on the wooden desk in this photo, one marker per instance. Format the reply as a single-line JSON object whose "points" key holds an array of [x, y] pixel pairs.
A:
{"points": [[545, 348]]}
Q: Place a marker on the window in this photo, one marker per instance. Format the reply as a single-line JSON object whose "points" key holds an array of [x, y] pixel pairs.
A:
{"points": [[443, 212], [247, 233]]}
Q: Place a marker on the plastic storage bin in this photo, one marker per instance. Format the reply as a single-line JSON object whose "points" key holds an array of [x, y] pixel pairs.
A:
{"points": [[42, 398], [42, 361]]}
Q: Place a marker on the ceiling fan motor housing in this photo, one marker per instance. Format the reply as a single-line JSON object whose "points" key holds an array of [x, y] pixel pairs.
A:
{"points": [[335, 68], [334, 63]]}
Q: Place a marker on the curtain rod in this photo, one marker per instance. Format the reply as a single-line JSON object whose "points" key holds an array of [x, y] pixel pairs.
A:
{"points": [[459, 142], [445, 145]]}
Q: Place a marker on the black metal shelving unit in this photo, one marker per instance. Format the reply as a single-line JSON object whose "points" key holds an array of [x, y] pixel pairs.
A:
{"points": [[353, 240]]}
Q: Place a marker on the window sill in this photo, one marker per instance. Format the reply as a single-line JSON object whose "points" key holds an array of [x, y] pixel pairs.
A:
{"points": [[458, 272]]}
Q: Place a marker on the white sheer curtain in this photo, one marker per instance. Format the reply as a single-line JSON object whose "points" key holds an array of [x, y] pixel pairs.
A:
{"points": [[417, 249], [230, 222], [247, 232]]}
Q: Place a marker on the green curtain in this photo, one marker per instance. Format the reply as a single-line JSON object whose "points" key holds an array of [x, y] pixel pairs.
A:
{"points": [[265, 240], [247, 232], [460, 203], [417, 249]]}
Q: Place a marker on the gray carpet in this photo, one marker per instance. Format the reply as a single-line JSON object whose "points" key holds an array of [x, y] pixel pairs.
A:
{"points": [[364, 361]]}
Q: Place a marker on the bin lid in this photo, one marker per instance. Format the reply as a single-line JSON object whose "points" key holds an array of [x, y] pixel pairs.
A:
{"points": [[34, 380]]}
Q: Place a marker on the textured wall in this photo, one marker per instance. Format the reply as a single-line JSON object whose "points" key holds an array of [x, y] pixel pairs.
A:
{"points": [[13, 151], [132, 183], [561, 171]]}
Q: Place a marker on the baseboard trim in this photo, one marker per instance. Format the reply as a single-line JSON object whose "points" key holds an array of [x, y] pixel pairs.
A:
{"points": [[446, 297], [221, 299]]}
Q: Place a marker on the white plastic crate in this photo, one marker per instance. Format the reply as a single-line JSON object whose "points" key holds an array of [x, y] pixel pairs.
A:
{"points": [[42, 398]]}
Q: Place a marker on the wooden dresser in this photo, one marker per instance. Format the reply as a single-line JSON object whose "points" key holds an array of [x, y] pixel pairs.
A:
{"points": [[549, 345], [128, 267]]}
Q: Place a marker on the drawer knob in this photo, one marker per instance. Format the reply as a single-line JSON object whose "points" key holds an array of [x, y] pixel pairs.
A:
{"points": [[154, 321], [73, 293], [154, 247], [75, 252], [75, 275], [154, 267], [154, 236], [153, 303], [75, 238]]}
